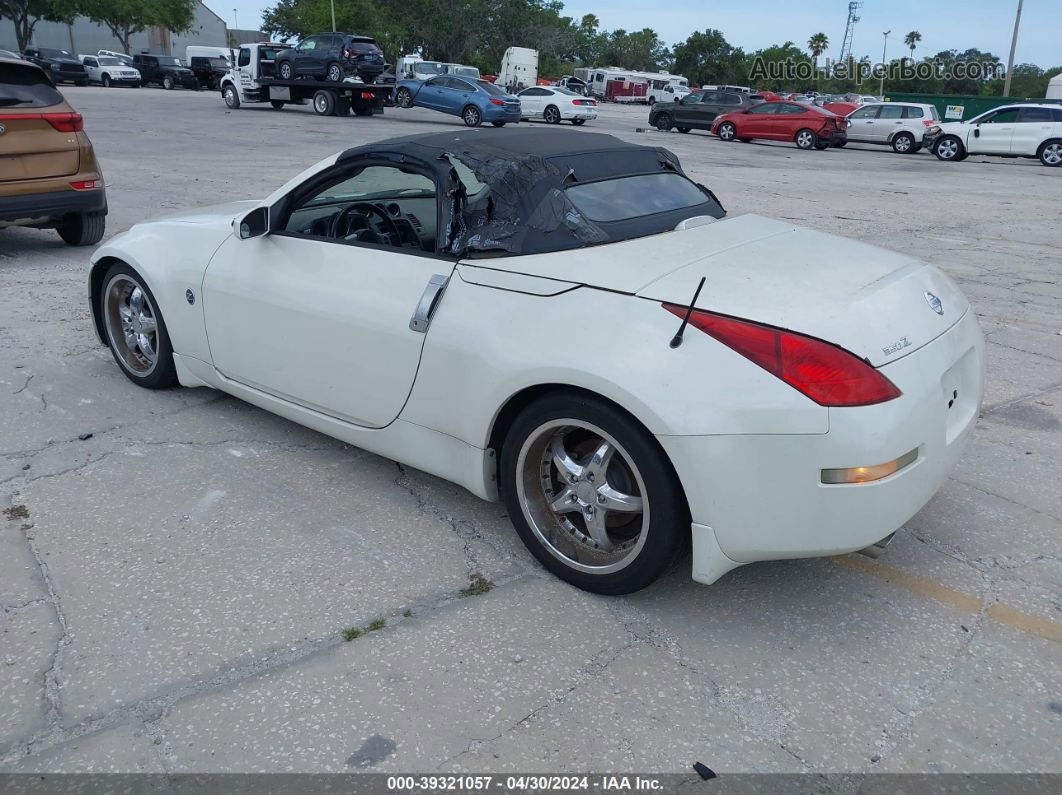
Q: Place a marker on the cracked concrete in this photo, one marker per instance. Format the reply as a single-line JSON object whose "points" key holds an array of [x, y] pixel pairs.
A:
{"points": [[173, 598]]}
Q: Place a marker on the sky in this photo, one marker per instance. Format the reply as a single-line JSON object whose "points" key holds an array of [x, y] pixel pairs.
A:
{"points": [[944, 25]]}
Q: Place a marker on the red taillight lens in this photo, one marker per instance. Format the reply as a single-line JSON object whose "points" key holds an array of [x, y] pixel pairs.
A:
{"points": [[497, 102], [65, 122], [367, 95], [829, 375], [87, 184], [928, 122]]}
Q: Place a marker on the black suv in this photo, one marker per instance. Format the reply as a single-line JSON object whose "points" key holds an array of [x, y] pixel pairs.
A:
{"points": [[208, 71], [698, 110], [59, 65], [332, 56], [165, 70]]}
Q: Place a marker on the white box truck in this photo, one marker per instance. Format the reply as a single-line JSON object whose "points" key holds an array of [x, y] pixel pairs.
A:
{"points": [[519, 69]]}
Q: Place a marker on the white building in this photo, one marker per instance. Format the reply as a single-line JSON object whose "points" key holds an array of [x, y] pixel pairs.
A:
{"points": [[85, 36]]}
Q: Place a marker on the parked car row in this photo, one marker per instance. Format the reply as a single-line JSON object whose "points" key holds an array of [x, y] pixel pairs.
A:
{"points": [[1025, 130]]}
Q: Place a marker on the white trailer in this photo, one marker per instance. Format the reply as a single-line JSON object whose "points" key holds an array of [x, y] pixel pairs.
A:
{"points": [[1054, 88], [519, 69]]}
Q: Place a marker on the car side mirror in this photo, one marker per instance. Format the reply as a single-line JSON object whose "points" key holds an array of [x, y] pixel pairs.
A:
{"points": [[255, 223]]}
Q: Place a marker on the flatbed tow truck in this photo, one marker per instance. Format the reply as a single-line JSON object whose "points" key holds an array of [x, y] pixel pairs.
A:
{"points": [[252, 80]]}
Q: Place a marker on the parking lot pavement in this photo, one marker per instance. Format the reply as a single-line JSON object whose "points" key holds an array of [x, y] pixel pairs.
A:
{"points": [[177, 569]]}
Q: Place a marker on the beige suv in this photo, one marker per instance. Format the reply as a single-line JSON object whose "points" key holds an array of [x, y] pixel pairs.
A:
{"points": [[49, 177]]}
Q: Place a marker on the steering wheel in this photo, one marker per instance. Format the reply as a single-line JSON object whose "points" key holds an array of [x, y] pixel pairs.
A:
{"points": [[353, 222]]}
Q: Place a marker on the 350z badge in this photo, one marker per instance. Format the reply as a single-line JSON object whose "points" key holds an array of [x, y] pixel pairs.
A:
{"points": [[899, 345]]}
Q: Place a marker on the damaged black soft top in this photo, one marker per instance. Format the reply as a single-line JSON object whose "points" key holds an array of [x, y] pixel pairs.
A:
{"points": [[524, 208]]}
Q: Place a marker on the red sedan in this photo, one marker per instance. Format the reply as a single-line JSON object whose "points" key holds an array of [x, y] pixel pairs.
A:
{"points": [[807, 126]]}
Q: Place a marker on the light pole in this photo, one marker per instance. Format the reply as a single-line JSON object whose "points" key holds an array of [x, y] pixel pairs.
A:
{"points": [[333, 4], [1013, 45], [235, 19], [881, 85]]}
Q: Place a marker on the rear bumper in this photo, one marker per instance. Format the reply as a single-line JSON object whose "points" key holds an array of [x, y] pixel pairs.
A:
{"points": [[762, 497], [499, 113], [53, 205], [835, 137]]}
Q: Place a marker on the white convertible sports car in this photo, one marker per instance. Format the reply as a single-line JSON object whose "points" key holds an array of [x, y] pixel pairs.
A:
{"points": [[566, 321]]}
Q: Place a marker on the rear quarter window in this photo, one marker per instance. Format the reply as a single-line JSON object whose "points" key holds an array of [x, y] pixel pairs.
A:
{"points": [[26, 87], [633, 197]]}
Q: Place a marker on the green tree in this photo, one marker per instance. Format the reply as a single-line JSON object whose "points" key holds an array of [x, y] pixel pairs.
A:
{"points": [[911, 40], [125, 18], [706, 58], [25, 14], [817, 45]]}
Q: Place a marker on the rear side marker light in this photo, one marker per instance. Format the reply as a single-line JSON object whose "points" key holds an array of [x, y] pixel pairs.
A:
{"points": [[868, 474], [88, 184], [829, 375]]}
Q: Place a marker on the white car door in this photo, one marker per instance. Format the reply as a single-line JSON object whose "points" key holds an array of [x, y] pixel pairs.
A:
{"points": [[1035, 125], [992, 133], [533, 101], [889, 121], [92, 66], [327, 322], [861, 123]]}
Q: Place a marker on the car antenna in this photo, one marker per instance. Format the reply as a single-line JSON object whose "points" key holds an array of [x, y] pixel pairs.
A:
{"points": [[677, 339]]}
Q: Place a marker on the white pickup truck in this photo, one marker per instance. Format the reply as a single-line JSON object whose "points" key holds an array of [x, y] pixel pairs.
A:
{"points": [[252, 78]]}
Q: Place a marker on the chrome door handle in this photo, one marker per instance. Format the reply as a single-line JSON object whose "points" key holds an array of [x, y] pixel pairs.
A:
{"points": [[429, 299]]}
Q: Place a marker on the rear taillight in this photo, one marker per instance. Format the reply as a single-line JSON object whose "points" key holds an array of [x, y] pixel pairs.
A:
{"points": [[829, 375], [497, 102], [87, 184], [928, 122], [65, 122]]}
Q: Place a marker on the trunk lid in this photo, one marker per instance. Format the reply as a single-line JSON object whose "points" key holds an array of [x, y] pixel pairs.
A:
{"points": [[31, 148], [868, 300], [873, 302]]}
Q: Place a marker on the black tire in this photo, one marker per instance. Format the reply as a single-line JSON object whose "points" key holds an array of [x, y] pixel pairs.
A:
{"points": [[471, 116], [81, 83], [105, 81], [578, 122], [286, 70], [664, 122], [167, 83], [164, 373], [840, 144], [822, 146], [404, 98], [362, 110], [85, 229], [278, 104], [904, 144], [659, 540], [652, 101], [683, 129], [1050, 152], [136, 85], [342, 106], [805, 139], [745, 140], [949, 149], [231, 96], [727, 131], [552, 114], [324, 102], [498, 123], [334, 72]]}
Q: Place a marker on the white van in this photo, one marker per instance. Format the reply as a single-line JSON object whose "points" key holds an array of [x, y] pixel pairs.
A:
{"points": [[198, 51]]}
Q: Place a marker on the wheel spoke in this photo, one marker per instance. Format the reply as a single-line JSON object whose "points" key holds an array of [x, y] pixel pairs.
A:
{"points": [[147, 324], [124, 312], [566, 467], [146, 346], [595, 525], [599, 461], [136, 301], [609, 499], [565, 502]]}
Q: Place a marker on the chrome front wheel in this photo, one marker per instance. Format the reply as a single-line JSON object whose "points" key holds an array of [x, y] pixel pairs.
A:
{"points": [[134, 329], [1051, 154]]}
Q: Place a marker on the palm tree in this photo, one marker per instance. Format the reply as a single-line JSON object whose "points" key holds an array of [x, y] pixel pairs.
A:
{"points": [[817, 45], [911, 40]]}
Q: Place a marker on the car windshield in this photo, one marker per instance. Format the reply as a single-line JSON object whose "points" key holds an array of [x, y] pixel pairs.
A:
{"points": [[45, 53], [492, 89], [427, 68], [632, 197], [26, 87], [467, 71], [108, 61], [167, 61]]}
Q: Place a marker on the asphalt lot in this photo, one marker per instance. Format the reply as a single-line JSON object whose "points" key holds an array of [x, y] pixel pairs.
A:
{"points": [[174, 586]]}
